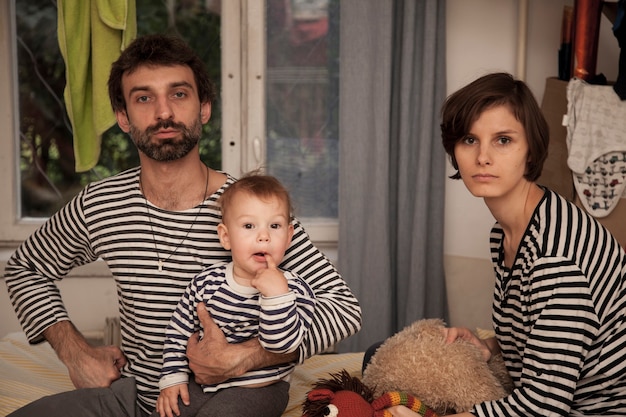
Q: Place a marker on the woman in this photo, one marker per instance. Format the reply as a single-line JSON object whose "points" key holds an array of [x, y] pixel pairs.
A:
{"points": [[559, 307]]}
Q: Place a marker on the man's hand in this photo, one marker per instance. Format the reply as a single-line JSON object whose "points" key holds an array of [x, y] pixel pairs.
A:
{"points": [[270, 281], [96, 367], [213, 359], [88, 366]]}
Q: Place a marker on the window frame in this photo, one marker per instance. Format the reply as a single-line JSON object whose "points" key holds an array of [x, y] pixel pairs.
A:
{"points": [[13, 229], [243, 94], [244, 76]]}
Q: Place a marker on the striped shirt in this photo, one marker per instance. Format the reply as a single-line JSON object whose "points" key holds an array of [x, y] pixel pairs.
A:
{"points": [[560, 316], [241, 313], [110, 219]]}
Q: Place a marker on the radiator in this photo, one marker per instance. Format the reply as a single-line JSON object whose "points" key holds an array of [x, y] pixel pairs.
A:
{"points": [[112, 335]]}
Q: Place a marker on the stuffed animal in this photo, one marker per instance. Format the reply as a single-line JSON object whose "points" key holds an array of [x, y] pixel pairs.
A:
{"points": [[449, 378], [343, 395]]}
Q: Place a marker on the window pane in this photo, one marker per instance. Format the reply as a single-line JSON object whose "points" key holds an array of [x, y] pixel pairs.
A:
{"points": [[302, 102], [47, 175]]}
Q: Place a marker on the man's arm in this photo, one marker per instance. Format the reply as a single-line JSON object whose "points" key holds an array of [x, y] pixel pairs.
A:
{"points": [[88, 366], [213, 359], [44, 258], [31, 275], [337, 311]]}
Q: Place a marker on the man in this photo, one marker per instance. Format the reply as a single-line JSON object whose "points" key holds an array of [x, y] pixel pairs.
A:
{"points": [[156, 228]]}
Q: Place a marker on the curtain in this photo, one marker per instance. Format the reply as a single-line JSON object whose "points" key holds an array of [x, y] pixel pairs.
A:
{"points": [[392, 163]]}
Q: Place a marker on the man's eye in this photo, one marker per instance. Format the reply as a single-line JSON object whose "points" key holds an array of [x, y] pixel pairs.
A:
{"points": [[142, 99], [180, 94]]}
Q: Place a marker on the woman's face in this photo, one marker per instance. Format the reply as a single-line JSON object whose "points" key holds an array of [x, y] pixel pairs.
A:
{"points": [[492, 158]]}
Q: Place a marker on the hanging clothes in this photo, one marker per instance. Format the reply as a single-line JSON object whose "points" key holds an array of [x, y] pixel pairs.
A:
{"points": [[596, 142], [92, 33]]}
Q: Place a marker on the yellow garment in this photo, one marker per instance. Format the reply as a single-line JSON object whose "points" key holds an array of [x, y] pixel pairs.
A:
{"points": [[92, 33]]}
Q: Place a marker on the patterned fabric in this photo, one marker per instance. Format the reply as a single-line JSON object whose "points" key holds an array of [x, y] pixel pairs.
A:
{"points": [[560, 316], [28, 372], [109, 220], [602, 184], [390, 399], [596, 122]]}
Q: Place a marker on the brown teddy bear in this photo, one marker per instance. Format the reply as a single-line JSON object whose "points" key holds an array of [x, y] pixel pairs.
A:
{"points": [[449, 378]]}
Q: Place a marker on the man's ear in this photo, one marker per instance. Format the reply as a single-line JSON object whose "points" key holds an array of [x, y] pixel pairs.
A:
{"points": [[122, 120], [205, 112], [222, 232]]}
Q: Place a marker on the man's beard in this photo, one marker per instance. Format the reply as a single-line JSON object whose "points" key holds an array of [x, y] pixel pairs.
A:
{"points": [[167, 149]]}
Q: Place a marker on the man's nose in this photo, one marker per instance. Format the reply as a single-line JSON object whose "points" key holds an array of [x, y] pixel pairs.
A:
{"points": [[164, 109]]}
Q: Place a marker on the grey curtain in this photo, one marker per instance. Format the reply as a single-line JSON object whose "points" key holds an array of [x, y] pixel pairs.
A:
{"points": [[392, 163]]}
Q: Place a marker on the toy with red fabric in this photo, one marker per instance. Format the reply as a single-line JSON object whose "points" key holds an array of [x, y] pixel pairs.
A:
{"points": [[343, 395]]}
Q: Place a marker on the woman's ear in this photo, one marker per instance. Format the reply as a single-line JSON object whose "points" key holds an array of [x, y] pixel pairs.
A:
{"points": [[222, 232]]}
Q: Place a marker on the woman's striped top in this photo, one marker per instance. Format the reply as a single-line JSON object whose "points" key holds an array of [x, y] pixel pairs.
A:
{"points": [[110, 219], [560, 316]]}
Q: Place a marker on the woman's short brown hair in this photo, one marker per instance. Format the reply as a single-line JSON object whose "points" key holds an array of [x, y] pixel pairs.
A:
{"points": [[464, 107]]}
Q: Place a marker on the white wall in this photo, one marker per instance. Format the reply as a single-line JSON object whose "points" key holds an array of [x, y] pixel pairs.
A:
{"points": [[482, 38], [89, 295]]}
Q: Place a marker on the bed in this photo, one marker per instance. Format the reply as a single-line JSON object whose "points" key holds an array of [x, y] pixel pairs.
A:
{"points": [[28, 372]]}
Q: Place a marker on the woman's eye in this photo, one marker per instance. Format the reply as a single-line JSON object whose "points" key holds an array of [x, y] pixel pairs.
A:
{"points": [[504, 140], [468, 140]]}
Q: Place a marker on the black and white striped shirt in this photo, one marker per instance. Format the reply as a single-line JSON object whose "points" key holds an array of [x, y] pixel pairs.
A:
{"points": [[560, 316], [110, 220], [280, 322]]}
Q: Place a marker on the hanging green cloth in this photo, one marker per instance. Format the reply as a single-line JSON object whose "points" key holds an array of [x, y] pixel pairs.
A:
{"points": [[92, 33]]}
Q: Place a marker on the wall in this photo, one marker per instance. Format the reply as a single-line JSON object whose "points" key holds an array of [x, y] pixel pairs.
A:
{"points": [[89, 295], [481, 38]]}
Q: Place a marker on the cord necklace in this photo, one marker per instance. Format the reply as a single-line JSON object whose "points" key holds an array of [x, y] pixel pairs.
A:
{"points": [[161, 261]]}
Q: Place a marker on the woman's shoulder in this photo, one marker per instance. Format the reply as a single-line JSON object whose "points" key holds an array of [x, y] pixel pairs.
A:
{"points": [[564, 227]]}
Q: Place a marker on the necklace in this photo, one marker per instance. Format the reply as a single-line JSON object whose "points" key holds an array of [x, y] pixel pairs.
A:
{"points": [[161, 261]]}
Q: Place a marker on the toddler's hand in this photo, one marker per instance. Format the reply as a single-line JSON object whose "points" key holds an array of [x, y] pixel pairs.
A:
{"points": [[270, 281], [167, 403]]}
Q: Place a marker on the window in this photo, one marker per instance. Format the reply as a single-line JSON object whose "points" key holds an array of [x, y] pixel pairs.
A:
{"points": [[278, 72]]}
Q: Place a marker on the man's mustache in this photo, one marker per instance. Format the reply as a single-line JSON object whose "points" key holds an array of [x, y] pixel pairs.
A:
{"points": [[165, 124]]}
